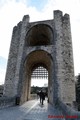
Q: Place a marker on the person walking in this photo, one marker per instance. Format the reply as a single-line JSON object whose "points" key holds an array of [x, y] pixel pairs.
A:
{"points": [[42, 97]]}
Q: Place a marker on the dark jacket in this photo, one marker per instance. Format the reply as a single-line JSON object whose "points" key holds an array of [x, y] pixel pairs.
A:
{"points": [[42, 95]]}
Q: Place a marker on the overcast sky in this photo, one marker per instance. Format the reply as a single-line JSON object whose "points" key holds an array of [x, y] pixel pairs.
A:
{"points": [[12, 11]]}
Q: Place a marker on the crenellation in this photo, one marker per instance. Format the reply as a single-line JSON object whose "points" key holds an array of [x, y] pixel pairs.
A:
{"points": [[66, 18], [58, 14], [26, 17]]}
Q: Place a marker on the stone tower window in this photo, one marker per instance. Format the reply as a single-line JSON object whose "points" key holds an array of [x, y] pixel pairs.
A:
{"points": [[38, 35]]}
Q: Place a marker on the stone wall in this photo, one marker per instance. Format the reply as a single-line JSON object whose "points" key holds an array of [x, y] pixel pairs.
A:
{"points": [[64, 58], [69, 80], [7, 102], [12, 61]]}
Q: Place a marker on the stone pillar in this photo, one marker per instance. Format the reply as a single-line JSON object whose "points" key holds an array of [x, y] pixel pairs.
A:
{"points": [[24, 91], [51, 83], [12, 61], [57, 57], [14, 74], [68, 68], [19, 66], [29, 86]]}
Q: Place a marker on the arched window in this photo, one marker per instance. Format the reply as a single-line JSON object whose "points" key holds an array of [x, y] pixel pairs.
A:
{"points": [[38, 35]]}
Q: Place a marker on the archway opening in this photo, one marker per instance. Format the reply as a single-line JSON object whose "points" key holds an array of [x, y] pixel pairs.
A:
{"points": [[38, 35], [38, 60], [39, 81]]}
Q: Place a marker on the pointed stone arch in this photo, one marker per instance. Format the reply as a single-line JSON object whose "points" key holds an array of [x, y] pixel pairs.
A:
{"points": [[33, 60]]}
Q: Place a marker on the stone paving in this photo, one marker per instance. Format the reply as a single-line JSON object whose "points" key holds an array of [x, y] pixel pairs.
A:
{"points": [[31, 110]]}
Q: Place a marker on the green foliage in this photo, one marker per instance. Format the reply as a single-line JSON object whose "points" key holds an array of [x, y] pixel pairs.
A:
{"points": [[35, 89]]}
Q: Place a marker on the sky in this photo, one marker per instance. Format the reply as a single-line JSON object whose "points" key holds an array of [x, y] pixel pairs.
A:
{"points": [[12, 12]]}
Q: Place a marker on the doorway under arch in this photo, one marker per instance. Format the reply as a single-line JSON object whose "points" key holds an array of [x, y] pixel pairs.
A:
{"points": [[38, 75], [39, 81], [34, 60]]}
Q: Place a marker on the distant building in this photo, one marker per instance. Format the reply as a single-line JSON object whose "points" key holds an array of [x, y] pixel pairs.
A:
{"points": [[45, 85]]}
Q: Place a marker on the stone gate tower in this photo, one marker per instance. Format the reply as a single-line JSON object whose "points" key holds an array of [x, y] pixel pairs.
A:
{"points": [[44, 43]]}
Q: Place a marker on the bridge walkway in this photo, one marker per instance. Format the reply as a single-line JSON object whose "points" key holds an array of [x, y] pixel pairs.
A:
{"points": [[31, 110]]}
